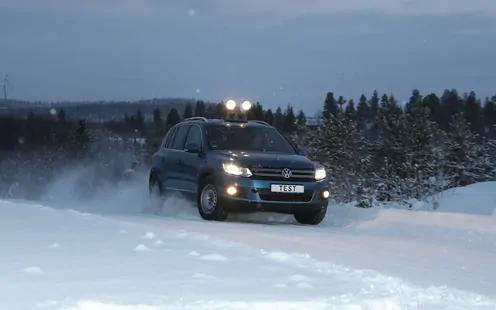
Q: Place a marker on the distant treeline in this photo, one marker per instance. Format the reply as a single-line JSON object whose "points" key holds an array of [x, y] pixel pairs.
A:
{"points": [[152, 118], [56, 128], [94, 111]]}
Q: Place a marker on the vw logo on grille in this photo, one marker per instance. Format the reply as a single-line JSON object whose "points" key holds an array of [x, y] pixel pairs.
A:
{"points": [[286, 173]]}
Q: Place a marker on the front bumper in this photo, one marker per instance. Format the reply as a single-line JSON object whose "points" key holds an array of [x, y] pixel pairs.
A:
{"points": [[255, 196]]}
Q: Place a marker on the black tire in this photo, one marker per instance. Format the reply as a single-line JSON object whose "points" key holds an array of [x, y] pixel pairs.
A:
{"points": [[210, 209], [156, 193], [313, 218]]}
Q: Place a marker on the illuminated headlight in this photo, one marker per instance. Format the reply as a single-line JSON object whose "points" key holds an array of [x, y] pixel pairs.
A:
{"points": [[320, 173], [234, 169]]}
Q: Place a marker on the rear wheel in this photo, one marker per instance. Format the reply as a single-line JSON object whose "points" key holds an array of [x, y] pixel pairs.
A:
{"points": [[156, 197], [208, 202], [313, 218]]}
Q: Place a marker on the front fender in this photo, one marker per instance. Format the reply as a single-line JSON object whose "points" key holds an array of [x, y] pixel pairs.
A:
{"points": [[206, 171]]}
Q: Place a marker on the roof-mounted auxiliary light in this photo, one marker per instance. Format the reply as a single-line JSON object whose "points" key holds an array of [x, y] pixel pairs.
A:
{"points": [[235, 112], [246, 105], [231, 105]]}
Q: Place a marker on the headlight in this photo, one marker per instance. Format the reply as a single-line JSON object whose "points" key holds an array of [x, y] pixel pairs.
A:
{"points": [[234, 169], [320, 173]]}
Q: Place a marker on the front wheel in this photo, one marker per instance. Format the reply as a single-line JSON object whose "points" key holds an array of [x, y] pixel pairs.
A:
{"points": [[313, 218], [208, 202]]}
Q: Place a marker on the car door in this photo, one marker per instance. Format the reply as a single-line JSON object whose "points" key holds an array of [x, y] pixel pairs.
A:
{"points": [[174, 160], [193, 161], [162, 160]]}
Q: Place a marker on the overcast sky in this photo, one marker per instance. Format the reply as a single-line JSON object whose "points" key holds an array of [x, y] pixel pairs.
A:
{"points": [[273, 51]]}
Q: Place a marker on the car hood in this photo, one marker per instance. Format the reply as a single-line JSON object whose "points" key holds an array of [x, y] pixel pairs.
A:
{"points": [[292, 161]]}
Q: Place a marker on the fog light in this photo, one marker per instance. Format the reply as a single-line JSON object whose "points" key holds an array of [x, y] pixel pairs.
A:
{"points": [[231, 190], [325, 194]]}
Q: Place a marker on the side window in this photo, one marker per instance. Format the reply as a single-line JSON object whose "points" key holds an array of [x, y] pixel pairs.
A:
{"points": [[179, 137], [168, 138], [194, 136]]}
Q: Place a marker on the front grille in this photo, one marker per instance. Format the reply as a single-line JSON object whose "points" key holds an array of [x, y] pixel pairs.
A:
{"points": [[275, 174], [267, 195]]}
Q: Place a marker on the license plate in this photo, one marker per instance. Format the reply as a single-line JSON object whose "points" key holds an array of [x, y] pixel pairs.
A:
{"points": [[286, 188]]}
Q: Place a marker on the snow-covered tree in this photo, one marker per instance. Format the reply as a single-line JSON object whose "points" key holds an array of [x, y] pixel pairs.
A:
{"points": [[466, 161], [389, 153], [407, 162], [344, 152], [422, 170]]}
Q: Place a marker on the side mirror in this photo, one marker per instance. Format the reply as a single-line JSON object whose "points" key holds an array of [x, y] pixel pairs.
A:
{"points": [[301, 152], [192, 148]]}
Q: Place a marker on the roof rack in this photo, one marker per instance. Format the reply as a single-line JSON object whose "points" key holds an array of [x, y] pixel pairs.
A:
{"points": [[259, 122], [196, 118], [229, 120]]}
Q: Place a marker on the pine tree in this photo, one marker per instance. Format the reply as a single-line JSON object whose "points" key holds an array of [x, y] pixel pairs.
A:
{"points": [[374, 106], [289, 121], [466, 161], [339, 146], [256, 112], [278, 119], [158, 122], [421, 170], [269, 117], [389, 154], [80, 140], [301, 127], [489, 117], [330, 106], [433, 103], [350, 111], [139, 122], [472, 111], [362, 113], [188, 111], [199, 108], [173, 118]]}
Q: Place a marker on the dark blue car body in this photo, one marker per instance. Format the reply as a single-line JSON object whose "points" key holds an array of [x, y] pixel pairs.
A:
{"points": [[240, 176]]}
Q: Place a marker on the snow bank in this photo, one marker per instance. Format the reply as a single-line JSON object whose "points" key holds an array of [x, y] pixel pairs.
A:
{"points": [[347, 215], [464, 215], [479, 198]]}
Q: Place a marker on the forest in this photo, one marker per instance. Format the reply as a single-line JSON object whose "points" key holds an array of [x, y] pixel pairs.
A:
{"points": [[375, 148]]}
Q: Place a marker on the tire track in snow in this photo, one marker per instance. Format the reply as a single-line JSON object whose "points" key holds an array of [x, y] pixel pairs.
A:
{"points": [[419, 261], [374, 290]]}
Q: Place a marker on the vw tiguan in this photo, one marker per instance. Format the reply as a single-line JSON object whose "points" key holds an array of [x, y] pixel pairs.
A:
{"points": [[238, 166]]}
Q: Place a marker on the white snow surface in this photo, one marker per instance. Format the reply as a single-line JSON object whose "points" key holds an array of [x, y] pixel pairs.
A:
{"points": [[477, 198], [102, 254]]}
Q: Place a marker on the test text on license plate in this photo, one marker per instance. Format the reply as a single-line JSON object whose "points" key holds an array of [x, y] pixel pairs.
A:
{"points": [[287, 188]]}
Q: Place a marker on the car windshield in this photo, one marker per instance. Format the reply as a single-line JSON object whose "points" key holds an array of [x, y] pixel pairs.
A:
{"points": [[247, 138]]}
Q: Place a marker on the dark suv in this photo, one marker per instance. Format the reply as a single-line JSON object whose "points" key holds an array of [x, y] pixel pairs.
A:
{"points": [[238, 166]]}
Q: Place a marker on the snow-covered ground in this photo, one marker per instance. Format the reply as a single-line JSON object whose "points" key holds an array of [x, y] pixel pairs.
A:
{"points": [[101, 254]]}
